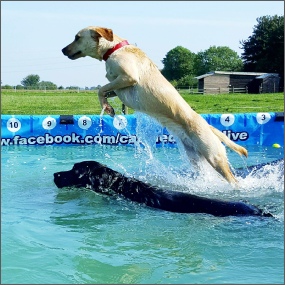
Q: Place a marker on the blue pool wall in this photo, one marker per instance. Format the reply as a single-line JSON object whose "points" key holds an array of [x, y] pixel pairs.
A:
{"points": [[264, 129]]}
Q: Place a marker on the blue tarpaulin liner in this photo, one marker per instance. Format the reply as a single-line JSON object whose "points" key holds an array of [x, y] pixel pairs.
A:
{"points": [[263, 129]]}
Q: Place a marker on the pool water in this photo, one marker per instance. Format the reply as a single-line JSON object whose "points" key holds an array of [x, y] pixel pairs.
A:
{"points": [[72, 236]]}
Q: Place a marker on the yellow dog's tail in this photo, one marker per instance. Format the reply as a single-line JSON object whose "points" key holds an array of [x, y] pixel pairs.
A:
{"points": [[223, 138]]}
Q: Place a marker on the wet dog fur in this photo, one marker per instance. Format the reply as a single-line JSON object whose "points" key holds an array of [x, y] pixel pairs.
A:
{"points": [[102, 179], [139, 84]]}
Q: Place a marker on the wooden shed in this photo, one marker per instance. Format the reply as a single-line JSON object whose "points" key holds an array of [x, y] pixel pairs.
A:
{"points": [[238, 82]]}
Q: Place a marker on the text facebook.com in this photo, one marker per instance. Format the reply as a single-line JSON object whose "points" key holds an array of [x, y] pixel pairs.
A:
{"points": [[73, 138]]}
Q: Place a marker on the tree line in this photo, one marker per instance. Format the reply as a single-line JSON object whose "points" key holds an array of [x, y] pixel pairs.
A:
{"points": [[263, 51]]}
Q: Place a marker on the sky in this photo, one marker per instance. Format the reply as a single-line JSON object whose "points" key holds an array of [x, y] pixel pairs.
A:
{"points": [[33, 33]]}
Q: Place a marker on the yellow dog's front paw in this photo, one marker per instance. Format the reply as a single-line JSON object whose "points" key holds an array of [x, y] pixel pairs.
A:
{"points": [[109, 110]]}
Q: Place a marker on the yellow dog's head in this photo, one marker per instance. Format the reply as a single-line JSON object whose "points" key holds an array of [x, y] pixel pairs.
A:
{"points": [[90, 41]]}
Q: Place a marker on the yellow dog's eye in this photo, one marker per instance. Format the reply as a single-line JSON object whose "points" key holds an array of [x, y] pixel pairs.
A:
{"points": [[77, 38]]}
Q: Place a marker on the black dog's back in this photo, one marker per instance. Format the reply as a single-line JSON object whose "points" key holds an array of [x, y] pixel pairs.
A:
{"points": [[182, 202]]}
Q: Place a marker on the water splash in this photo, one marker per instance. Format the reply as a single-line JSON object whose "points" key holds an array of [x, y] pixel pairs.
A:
{"points": [[267, 179], [170, 168], [101, 121], [159, 167]]}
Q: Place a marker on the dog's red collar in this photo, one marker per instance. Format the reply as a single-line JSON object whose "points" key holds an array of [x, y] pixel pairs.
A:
{"points": [[111, 50]]}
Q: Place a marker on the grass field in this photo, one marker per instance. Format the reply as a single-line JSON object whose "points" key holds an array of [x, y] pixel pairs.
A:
{"points": [[86, 102]]}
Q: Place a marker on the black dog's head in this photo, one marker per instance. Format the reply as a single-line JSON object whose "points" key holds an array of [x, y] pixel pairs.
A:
{"points": [[78, 176]]}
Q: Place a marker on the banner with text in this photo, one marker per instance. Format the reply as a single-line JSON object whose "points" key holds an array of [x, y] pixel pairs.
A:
{"points": [[245, 129]]}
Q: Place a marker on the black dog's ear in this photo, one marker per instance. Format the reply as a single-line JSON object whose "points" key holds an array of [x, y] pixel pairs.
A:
{"points": [[97, 166], [87, 165]]}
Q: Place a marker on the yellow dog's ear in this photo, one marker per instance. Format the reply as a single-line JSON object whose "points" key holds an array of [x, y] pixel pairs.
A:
{"points": [[102, 32]]}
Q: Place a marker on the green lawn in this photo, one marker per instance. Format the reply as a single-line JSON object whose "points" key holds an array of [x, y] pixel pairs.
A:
{"points": [[235, 103], [86, 102]]}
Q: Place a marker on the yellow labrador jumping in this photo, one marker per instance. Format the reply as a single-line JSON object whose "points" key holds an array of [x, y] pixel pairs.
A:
{"points": [[136, 80]]}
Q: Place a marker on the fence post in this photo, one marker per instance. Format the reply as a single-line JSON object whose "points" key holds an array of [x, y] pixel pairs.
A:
{"points": [[124, 109]]}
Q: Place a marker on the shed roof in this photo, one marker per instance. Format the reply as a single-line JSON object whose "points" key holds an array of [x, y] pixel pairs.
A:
{"points": [[267, 75], [231, 73]]}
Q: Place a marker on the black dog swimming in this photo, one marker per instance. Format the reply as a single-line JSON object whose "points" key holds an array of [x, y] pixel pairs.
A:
{"points": [[101, 179]]}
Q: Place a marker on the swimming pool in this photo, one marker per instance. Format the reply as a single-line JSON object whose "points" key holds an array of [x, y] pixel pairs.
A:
{"points": [[69, 236]]}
